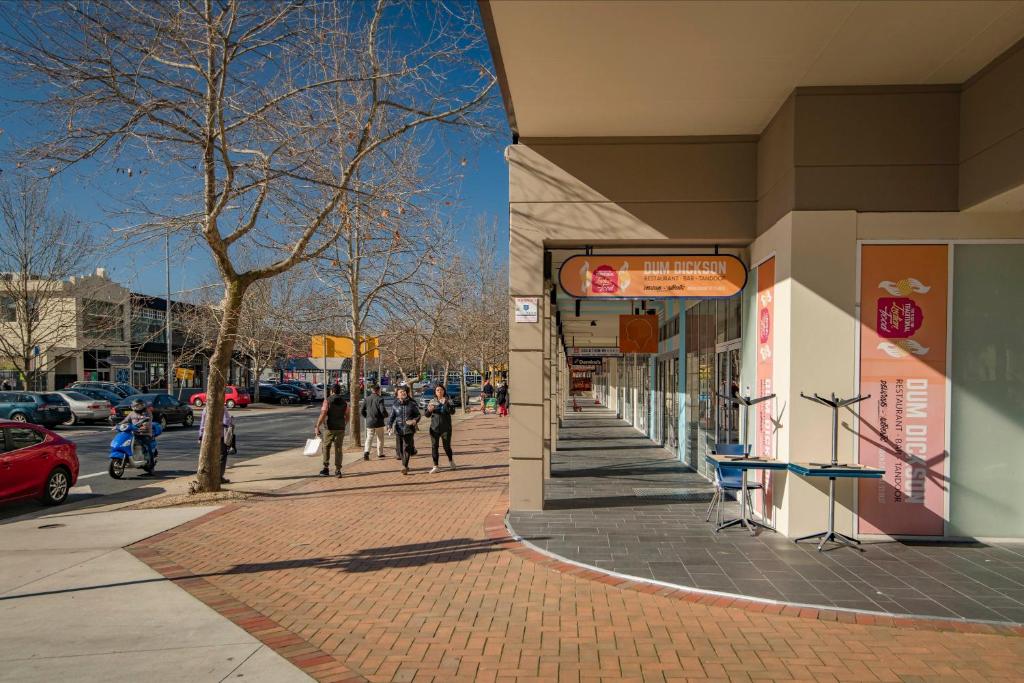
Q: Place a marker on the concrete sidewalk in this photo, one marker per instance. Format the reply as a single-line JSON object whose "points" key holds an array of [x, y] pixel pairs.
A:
{"points": [[74, 604]]}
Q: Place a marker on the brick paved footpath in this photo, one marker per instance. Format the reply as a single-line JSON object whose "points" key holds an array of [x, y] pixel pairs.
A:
{"points": [[382, 577]]}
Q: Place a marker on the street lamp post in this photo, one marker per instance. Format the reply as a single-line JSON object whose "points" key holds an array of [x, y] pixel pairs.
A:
{"points": [[168, 331]]}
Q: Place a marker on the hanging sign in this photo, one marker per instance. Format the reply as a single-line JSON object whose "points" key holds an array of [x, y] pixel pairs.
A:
{"points": [[652, 276], [902, 428], [638, 333], [580, 363], [582, 384], [527, 309], [595, 351]]}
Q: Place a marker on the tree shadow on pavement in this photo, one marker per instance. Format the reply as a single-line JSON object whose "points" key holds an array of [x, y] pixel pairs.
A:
{"points": [[364, 560]]}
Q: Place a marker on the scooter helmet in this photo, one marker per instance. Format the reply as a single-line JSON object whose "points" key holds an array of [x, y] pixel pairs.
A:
{"points": [[138, 405]]}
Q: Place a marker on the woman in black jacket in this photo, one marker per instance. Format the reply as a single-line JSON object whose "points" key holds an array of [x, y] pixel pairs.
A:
{"points": [[440, 409], [402, 421]]}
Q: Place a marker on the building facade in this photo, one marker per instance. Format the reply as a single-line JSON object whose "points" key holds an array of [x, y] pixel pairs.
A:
{"points": [[864, 162]]}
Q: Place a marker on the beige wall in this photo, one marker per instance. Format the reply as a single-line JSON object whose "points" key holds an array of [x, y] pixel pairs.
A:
{"points": [[992, 129]]}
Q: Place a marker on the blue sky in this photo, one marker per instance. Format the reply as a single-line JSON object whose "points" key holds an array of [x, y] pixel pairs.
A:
{"points": [[93, 193]]}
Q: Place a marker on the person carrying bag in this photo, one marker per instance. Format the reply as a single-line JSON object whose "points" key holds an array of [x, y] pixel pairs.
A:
{"points": [[334, 414]]}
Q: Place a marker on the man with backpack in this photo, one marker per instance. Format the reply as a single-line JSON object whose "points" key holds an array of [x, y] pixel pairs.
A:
{"points": [[374, 413], [334, 414]]}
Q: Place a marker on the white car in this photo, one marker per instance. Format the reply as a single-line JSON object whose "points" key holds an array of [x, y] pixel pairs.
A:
{"points": [[85, 408]]}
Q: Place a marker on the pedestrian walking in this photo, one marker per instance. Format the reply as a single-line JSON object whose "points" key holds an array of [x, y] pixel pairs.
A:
{"points": [[402, 421], [374, 413], [333, 414], [486, 393], [227, 438], [440, 410], [503, 399]]}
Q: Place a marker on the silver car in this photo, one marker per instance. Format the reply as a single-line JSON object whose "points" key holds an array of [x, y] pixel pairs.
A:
{"points": [[85, 408]]}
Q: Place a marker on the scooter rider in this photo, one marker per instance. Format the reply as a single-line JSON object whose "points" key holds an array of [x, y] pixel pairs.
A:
{"points": [[140, 417]]}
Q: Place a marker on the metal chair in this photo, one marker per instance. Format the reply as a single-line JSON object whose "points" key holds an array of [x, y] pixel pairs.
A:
{"points": [[729, 480]]}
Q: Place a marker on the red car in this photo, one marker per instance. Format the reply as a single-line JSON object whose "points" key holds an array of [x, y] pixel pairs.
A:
{"points": [[35, 463], [233, 397]]}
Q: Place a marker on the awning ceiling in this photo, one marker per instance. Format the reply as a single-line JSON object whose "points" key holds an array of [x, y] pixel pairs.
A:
{"points": [[611, 68]]}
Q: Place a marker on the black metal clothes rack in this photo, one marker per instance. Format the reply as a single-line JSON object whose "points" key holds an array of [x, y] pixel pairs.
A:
{"points": [[830, 535], [743, 519], [746, 402]]}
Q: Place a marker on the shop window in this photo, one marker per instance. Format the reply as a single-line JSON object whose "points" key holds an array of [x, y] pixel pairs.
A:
{"points": [[987, 407], [102, 320]]}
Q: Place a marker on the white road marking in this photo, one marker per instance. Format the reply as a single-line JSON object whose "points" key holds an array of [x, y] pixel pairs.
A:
{"points": [[90, 476], [81, 489]]}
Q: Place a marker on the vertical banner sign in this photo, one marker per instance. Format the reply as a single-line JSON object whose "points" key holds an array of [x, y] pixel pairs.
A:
{"points": [[903, 299], [765, 334]]}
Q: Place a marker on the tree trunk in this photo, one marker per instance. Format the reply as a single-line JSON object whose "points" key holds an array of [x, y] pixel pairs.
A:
{"points": [[208, 474], [465, 394], [354, 393]]}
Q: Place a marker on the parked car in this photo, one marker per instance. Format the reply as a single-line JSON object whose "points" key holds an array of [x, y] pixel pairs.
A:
{"points": [[302, 394], [48, 409], [36, 463], [105, 386], [101, 394], [453, 391], [233, 397], [166, 409], [316, 390], [271, 394], [128, 388], [85, 408]]}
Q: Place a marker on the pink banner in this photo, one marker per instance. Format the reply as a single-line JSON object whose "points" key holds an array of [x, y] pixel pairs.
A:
{"points": [[903, 300], [764, 445]]}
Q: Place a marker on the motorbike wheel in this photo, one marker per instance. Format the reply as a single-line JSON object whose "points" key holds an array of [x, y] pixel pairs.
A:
{"points": [[117, 468]]}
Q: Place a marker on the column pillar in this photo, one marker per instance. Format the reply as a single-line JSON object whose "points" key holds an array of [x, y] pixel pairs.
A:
{"points": [[527, 369]]}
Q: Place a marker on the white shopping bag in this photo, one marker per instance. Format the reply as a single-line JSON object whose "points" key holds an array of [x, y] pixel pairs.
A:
{"points": [[312, 447]]}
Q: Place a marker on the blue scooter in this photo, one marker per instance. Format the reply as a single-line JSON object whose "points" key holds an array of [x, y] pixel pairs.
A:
{"points": [[122, 450]]}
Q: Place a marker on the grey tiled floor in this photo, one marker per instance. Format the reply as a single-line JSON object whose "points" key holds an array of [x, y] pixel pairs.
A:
{"points": [[593, 516]]}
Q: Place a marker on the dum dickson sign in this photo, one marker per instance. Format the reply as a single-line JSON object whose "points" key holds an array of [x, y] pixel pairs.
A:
{"points": [[652, 276]]}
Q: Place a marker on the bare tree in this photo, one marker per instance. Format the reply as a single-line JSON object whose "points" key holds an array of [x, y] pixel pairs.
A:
{"points": [[41, 252], [231, 97]]}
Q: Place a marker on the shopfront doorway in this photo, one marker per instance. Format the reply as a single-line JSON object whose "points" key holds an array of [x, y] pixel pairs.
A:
{"points": [[727, 383]]}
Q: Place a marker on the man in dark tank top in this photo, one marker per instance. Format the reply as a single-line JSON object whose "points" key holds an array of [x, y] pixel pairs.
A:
{"points": [[333, 415]]}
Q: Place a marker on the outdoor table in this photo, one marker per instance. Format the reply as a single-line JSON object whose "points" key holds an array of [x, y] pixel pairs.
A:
{"points": [[833, 472], [743, 463]]}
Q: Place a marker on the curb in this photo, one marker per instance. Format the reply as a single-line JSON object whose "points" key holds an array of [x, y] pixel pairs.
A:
{"points": [[496, 527]]}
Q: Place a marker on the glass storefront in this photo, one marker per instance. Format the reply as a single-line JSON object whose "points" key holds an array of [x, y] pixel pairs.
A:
{"points": [[712, 365], [987, 409]]}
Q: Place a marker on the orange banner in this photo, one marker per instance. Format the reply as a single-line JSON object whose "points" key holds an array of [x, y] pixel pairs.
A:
{"points": [[652, 276], [764, 440], [903, 308], [638, 333]]}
